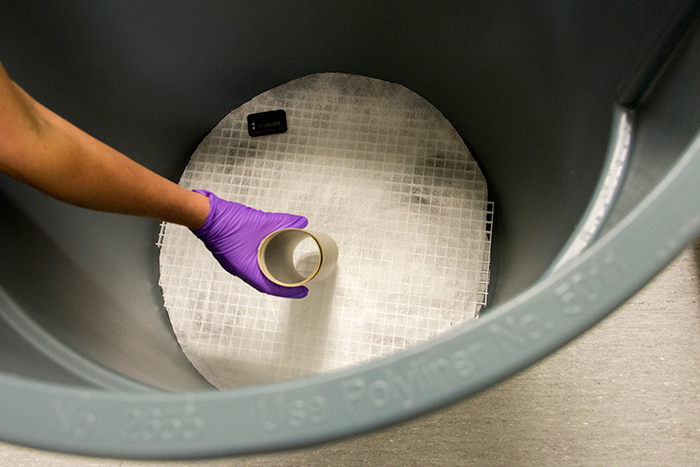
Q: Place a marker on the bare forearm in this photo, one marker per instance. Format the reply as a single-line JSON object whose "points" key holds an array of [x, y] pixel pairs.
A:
{"points": [[45, 151], [83, 171]]}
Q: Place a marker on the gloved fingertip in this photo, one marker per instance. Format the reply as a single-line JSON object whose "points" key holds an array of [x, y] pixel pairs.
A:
{"points": [[297, 292], [280, 291], [301, 222]]}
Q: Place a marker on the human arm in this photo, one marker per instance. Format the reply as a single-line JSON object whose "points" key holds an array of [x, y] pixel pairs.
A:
{"points": [[43, 150]]}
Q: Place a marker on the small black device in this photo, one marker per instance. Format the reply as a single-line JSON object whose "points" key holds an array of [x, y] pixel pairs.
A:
{"points": [[267, 123]]}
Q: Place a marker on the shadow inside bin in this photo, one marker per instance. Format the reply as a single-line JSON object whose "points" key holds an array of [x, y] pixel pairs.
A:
{"points": [[64, 322], [307, 339]]}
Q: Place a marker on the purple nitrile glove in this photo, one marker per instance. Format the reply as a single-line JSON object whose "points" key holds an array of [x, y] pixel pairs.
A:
{"points": [[233, 232]]}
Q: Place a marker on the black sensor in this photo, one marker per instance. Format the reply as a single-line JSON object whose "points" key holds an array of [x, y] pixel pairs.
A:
{"points": [[267, 123]]}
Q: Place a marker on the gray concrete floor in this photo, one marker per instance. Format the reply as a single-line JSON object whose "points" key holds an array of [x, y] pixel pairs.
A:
{"points": [[626, 393]]}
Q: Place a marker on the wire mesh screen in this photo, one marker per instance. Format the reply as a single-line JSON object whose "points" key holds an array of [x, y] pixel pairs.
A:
{"points": [[381, 171]]}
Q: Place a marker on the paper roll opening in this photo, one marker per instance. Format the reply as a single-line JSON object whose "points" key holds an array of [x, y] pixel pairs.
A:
{"points": [[276, 257]]}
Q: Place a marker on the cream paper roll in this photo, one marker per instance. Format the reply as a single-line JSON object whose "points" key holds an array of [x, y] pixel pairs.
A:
{"points": [[276, 256]]}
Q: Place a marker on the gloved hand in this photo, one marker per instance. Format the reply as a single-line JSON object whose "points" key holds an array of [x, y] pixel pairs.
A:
{"points": [[232, 232]]}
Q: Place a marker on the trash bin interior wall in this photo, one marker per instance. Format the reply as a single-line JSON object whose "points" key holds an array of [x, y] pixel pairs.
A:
{"points": [[530, 86]]}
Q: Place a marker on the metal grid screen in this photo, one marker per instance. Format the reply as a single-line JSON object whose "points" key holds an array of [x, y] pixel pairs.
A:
{"points": [[380, 170]]}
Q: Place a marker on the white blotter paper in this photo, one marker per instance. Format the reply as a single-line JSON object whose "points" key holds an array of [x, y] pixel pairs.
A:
{"points": [[385, 174]]}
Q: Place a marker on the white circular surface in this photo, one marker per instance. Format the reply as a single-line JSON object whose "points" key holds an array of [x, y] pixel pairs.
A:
{"points": [[381, 171]]}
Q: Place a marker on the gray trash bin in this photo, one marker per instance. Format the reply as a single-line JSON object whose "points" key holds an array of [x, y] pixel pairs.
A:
{"points": [[583, 116]]}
